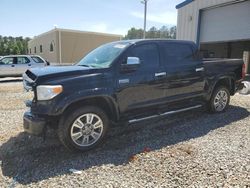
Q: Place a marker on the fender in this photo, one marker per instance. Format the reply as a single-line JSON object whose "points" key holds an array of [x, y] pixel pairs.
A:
{"points": [[85, 95], [214, 81]]}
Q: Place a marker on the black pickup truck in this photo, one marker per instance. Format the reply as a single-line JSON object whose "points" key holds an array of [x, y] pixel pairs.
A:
{"points": [[126, 82]]}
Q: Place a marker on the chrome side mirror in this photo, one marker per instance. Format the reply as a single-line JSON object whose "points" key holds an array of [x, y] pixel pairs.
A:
{"points": [[130, 65], [133, 61]]}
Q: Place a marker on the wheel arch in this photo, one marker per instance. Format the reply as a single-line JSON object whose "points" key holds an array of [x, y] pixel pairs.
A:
{"points": [[104, 102], [227, 81]]}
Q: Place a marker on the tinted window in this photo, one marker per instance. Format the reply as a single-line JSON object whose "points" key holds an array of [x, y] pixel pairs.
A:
{"points": [[177, 52], [22, 60], [7, 60], [148, 54]]}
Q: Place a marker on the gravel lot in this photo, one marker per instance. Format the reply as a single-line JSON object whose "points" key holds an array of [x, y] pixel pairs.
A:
{"points": [[193, 149]]}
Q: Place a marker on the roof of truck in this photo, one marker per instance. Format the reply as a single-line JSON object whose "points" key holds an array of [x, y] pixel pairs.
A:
{"points": [[134, 41]]}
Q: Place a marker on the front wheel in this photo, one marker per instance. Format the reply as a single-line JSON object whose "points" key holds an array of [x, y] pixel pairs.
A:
{"points": [[220, 100], [83, 129]]}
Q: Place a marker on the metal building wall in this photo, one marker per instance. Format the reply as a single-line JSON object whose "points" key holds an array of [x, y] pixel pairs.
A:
{"points": [[69, 45], [75, 45], [45, 40], [188, 17]]}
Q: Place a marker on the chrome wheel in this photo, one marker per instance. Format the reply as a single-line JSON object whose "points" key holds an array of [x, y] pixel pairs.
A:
{"points": [[86, 129], [220, 100]]}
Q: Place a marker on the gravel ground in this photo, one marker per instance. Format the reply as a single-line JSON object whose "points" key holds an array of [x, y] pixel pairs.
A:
{"points": [[192, 149]]}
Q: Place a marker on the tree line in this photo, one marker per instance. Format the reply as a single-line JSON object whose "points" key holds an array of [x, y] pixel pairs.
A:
{"points": [[19, 45], [13, 45], [164, 32]]}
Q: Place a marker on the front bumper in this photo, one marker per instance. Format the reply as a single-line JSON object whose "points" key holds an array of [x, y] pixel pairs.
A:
{"points": [[33, 124]]}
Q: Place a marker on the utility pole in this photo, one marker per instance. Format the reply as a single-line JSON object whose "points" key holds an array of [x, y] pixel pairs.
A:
{"points": [[145, 2]]}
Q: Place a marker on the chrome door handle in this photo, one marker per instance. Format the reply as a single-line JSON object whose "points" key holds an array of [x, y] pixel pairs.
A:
{"points": [[199, 69], [160, 74]]}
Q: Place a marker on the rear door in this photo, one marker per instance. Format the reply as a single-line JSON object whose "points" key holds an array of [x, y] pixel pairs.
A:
{"points": [[7, 66], [22, 64], [144, 87], [185, 72]]}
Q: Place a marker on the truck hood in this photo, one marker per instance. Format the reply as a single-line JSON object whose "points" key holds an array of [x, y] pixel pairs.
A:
{"points": [[55, 72]]}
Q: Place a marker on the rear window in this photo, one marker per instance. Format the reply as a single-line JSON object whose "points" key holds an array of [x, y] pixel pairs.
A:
{"points": [[37, 59]]}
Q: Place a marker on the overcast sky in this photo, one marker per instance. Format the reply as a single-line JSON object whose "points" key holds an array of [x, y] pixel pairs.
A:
{"points": [[32, 17]]}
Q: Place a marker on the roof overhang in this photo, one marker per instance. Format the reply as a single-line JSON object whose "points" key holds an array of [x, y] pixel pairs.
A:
{"points": [[184, 3]]}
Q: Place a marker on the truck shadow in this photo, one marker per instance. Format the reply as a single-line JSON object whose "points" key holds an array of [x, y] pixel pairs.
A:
{"points": [[10, 80], [28, 159]]}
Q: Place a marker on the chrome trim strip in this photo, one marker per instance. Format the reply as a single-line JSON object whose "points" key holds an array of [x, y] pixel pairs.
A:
{"points": [[199, 69], [166, 113], [160, 74], [141, 119]]}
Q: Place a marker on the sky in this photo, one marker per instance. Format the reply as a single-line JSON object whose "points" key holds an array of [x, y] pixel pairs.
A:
{"points": [[29, 18]]}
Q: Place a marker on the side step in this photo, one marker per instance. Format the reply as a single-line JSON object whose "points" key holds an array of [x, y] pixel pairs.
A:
{"points": [[164, 114]]}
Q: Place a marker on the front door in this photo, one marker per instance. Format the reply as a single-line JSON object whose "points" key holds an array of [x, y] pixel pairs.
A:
{"points": [[142, 88], [7, 66]]}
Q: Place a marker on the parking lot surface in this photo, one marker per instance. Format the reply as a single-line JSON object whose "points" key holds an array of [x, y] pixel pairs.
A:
{"points": [[192, 149]]}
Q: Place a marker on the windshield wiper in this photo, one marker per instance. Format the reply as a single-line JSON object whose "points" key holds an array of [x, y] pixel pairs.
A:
{"points": [[85, 65]]}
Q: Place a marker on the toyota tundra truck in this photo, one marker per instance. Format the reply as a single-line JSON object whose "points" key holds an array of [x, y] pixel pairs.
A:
{"points": [[126, 82]]}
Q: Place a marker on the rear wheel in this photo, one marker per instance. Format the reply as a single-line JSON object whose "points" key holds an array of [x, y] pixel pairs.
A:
{"points": [[83, 129], [219, 100]]}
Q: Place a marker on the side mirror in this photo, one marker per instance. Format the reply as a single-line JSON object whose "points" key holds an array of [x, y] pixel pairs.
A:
{"points": [[48, 63], [131, 65]]}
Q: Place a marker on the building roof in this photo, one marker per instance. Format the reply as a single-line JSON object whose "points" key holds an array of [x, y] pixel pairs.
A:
{"points": [[76, 31], [184, 3]]}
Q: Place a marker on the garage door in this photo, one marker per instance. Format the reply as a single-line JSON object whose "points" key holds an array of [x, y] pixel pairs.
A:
{"points": [[227, 23]]}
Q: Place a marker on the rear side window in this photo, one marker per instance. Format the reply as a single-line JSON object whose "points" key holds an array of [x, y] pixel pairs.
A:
{"points": [[37, 59], [148, 54], [22, 60], [177, 52]]}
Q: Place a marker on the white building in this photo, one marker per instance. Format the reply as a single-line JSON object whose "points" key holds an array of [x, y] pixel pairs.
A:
{"points": [[220, 27]]}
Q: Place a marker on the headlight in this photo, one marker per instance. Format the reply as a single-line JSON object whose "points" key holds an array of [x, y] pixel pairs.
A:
{"points": [[47, 92]]}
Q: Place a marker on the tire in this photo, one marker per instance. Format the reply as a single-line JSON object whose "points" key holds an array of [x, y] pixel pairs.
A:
{"points": [[246, 89], [83, 129], [219, 100]]}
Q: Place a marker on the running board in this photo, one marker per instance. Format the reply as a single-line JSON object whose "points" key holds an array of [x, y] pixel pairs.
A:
{"points": [[164, 114]]}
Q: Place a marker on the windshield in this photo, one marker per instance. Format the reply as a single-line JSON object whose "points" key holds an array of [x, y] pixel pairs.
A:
{"points": [[103, 56]]}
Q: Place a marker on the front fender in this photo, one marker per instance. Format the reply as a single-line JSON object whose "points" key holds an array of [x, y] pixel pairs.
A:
{"points": [[77, 97]]}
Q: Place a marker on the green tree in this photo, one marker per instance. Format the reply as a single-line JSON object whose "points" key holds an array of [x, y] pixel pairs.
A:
{"points": [[164, 32], [13, 45]]}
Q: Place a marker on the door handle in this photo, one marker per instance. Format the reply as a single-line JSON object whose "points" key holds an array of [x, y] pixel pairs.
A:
{"points": [[160, 74], [12, 65], [29, 64], [199, 69]]}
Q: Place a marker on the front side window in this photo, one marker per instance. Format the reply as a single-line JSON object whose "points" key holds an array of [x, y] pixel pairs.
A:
{"points": [[22, 60], [7, 61], [103, 56], [148, 55]]}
